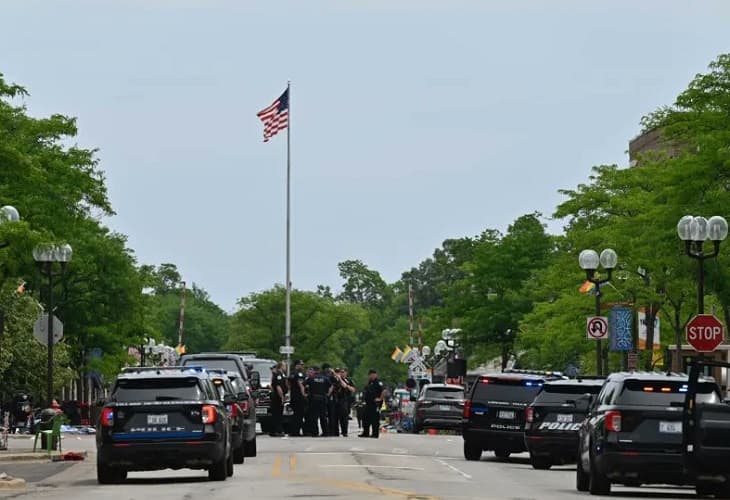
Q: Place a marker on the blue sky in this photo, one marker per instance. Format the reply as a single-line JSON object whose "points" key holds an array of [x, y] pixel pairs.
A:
{"points": [[413, 121]]}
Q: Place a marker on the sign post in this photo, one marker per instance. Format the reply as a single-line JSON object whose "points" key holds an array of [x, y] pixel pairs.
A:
{"points": [[705, 332]]}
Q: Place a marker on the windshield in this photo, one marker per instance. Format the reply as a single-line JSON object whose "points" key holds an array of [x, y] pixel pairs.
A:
{"points": [[565, 393], [444, 393], [505, 391], [660, 393], [264, 369], [128, 391]]}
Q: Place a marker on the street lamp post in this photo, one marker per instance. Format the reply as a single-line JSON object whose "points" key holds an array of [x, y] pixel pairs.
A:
{"points": [[46, 257], [589, 261], [694, 231]]}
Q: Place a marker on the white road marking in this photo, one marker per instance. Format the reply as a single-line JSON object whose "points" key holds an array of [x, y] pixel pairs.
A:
{"points": [[360, 454], [363, 466], [462, 473], [357, 449], [400, 451]]}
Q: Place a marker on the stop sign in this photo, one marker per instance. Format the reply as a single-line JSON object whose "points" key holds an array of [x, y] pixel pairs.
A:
{"points": [[705, 332]]}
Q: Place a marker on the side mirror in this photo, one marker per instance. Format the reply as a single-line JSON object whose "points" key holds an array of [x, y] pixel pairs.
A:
{"points": [[255, 380], [229, 399], [243, 396]]}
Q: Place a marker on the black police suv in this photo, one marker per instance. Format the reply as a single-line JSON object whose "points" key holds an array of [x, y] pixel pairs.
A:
{"points": [[159, 418], [494, 413], [633, 434], [553, 419]]}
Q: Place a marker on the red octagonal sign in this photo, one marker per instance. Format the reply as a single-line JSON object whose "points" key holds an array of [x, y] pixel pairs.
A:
{"points": [[705, 332]]}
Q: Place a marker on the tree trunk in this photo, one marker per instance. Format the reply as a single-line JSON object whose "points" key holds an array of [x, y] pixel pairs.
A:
{"points": [[650, 318]]}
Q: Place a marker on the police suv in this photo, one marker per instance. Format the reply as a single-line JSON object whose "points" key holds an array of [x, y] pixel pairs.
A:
{"points": [[553, 419], [160, 418], [494, 412]]}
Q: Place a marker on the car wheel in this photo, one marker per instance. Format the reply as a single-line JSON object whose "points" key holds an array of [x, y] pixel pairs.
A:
{"points": [[582, 479], [598, 484], [106, 474], [217, 471], [229, 465], [238, 454], [502, 454], [540, 463], [472, 450], [249, 448]]}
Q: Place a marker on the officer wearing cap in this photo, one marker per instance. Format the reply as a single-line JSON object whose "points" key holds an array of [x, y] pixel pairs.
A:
{"points": [[297, 398], [278, 391], [373, 396], [318, 388]]}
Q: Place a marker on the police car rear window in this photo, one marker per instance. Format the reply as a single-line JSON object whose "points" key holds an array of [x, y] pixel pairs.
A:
{"points": [[445, 393], [134, 390], [511, 390], [661, 393], [213, 363], [554, 393]]}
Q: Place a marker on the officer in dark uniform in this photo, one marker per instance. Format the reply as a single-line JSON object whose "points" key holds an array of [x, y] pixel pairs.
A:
{"points": [[373, 396], [297, 398], [346, 388], [278, 390], [332, 428], [318, 388]]}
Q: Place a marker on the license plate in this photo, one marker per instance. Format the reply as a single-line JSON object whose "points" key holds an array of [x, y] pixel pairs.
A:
{"points": [[565, 419], [261, 411], [444, 407], [670, 427], [506, 415], [156, 419]]}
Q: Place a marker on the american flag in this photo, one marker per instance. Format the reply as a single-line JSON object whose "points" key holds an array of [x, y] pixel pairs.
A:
{"points": [[276, 116]]}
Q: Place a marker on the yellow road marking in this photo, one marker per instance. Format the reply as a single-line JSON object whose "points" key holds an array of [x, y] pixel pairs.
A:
{"points": [[292, 464], [367, 488], [276, 468]]}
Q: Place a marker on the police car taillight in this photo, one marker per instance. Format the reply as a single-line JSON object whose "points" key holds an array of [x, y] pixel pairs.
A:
{"points": [[208, 414], [466, 412], [529, 414], [107, 417], [613, 421]]}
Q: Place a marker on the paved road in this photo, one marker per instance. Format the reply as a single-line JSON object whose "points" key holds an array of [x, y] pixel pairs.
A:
{"points": [[395, 466]]}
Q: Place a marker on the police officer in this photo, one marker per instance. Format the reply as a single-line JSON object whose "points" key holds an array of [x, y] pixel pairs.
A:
{"points": [[346, 388], [318, 388], [332, 428], [278, 390], [373, 396], [297, 398]]}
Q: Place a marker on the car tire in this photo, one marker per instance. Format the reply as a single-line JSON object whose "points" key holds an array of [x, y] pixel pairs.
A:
{"points": [[229, 465], [249, 448], [217, 471], [540, 463], [502, 454], [472, 451], [582, 479], [239, 454], [106, 474], [598, 484]]}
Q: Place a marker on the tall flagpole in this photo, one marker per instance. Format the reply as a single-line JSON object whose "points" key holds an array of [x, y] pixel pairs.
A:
{"points": [[288, 232]]}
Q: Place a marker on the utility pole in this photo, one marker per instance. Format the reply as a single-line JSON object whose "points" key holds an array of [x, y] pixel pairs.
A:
{"points": [[181, 327], [410, 315]]}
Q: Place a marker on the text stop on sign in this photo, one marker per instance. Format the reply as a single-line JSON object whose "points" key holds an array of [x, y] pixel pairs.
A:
{"points": [[705, 332]]}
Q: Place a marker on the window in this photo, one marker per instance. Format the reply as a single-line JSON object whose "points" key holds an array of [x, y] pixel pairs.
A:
{"points": [[511, 390], [162, 389], [564, 393], [664, 393], [443, 393]]}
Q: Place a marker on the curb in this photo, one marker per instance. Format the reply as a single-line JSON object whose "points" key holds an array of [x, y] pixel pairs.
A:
{"points": [[23, 457], [11, 483]]}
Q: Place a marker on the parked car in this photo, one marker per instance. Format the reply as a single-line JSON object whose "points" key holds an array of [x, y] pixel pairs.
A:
{"points": [[553, 419], [223, 385], [634, 435], [247, 403], [494, 412], [439, 406], [164, 418]]}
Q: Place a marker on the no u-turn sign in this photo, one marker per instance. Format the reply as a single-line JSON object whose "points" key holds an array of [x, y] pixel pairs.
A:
{"points": [[597, 327]]}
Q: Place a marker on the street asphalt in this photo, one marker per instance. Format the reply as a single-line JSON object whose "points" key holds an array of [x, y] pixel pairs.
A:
{"points": [[395, 466]]}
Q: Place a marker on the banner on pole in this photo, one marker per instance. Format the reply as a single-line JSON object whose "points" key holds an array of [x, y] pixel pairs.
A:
{"points": [[620, 325], [644, 330]]}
